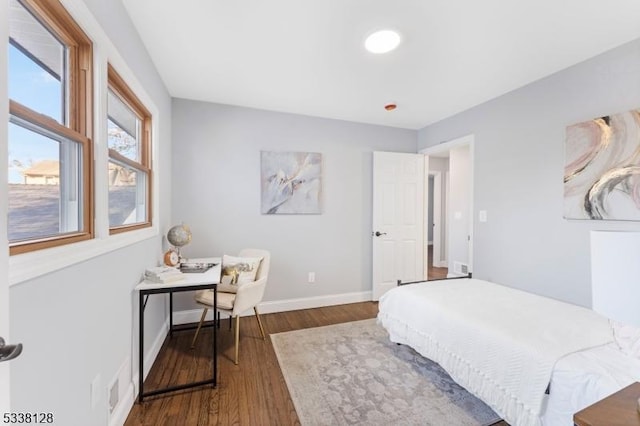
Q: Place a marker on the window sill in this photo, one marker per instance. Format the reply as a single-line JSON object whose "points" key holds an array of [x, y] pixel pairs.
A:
{"points": [[23, 267]]}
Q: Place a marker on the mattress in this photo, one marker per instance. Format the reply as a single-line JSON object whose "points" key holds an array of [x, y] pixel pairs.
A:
{"points": [[585, 377], [501, 344]]}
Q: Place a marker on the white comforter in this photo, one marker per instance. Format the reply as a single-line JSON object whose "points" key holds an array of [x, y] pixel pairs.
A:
{"points": [[501, 344], [585, 377]]}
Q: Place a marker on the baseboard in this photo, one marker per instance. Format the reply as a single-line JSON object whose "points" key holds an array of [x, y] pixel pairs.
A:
{"points": [[151, 357], [452, 275], [120, 414], [270, 307], [314, 302]]}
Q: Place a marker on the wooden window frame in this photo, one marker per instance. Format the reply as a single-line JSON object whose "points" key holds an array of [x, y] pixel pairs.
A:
{"points": [[79, 114], [119, 88]]}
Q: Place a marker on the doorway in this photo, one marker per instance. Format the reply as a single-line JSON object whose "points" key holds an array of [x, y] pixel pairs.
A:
{"points": [[436, 266], [449, 209]]}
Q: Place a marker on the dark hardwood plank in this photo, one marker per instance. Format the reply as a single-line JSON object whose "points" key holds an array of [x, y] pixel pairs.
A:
{"points": [[251, 393], [434, 273]]}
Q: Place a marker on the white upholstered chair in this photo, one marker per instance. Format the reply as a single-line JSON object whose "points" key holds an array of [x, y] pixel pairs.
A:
{"points": [[247, 296]]}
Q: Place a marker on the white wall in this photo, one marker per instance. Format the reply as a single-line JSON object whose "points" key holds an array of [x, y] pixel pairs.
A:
{"points": [[459, 210], [430, 210], [78, 323], [519, 162], [615, 270], [216, 176], [437, 164]]}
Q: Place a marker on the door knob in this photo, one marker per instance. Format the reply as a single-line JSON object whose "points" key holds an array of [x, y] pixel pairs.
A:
{"points": [[9, 352], [378, 233]]}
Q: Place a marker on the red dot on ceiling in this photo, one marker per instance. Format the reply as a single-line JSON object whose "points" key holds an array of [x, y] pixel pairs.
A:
{"points": [[390, 107]]}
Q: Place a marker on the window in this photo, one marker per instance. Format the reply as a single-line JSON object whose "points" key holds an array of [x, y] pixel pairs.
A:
{"points": [[50, 112], [129, 141]]}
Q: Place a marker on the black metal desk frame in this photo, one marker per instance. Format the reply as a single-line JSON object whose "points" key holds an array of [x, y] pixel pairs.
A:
{"points": [[168, 288]]}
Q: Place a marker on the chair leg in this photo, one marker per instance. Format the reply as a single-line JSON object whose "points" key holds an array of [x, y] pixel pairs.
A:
{"points": [[255, 309], [218, 322], [237, 336], [204, 314]]}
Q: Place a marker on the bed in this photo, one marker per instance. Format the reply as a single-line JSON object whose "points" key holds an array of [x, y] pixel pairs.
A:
{"points": [[509, 347], [585, 377]]}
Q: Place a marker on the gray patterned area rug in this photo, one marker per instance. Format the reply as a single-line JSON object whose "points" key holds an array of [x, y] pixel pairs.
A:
{"points": [[351, 374]]}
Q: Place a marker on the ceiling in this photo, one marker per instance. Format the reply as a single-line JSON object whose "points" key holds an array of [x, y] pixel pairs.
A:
{"points": [[307, 57]]}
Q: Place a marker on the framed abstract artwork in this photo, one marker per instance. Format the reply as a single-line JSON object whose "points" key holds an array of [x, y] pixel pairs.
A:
{"points": [[602, 168], [291, 182]]}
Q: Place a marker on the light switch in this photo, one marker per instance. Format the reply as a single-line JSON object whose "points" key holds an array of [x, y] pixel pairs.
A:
{"points": [[482, 215]]}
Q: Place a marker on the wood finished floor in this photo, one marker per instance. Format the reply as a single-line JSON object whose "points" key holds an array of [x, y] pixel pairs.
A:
{"points": [[434, 273], [251, 393]]}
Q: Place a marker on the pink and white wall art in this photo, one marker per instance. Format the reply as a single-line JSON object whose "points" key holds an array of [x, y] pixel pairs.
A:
{"points": [[291, 182], [602, 168]]}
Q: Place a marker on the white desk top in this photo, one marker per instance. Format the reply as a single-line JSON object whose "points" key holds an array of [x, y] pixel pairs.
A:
{"points": [[212, 276]]}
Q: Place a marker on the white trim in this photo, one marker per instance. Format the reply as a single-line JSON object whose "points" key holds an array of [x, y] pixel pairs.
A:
{"points": [[120, 414], [467, 140], [449, 145], [426, 225], [125, 395], [447, 219], [314, 302], [152, 354], [454, 275], [270, 307], [30, 265], [437, 219]]}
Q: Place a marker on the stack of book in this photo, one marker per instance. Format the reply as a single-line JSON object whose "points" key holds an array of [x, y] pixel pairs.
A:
{"points": [[163, 274]]}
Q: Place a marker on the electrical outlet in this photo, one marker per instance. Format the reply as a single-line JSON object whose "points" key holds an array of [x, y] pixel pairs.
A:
{"points": [[312, 277]]}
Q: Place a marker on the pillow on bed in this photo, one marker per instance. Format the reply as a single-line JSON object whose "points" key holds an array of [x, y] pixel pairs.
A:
{"points": [[627, 337]]}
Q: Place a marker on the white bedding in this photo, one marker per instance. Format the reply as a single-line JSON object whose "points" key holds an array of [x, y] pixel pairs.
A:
{"points": [[499, 343], [582, 378]]}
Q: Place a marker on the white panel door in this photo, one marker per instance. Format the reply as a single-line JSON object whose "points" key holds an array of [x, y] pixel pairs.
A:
{"points": [[398, 219]]}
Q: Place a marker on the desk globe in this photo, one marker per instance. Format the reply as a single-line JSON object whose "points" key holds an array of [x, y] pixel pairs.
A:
{"points": [[179, 236]]}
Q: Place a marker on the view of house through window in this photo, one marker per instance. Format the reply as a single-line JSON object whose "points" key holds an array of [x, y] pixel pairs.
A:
{"points": [[50, 130], [128, 127], [48, 148]]}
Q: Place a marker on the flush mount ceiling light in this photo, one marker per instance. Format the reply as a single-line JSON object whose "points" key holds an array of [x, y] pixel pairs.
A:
{"points": [[382, 41]]}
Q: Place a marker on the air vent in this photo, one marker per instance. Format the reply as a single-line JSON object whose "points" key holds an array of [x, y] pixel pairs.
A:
{"points": [[460, 268]]}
